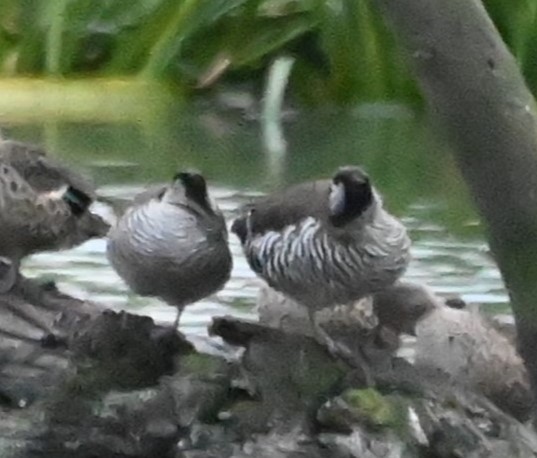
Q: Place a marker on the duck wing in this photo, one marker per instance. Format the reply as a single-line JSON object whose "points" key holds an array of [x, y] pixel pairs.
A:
{"points": [[284, 208]]}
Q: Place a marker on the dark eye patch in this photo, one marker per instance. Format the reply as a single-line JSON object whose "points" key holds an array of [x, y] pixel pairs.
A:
{"points": [[195, 188], [358, 195]]}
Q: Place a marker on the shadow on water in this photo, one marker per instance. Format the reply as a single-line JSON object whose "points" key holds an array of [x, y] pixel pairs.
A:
{"points": [[413, 171]]}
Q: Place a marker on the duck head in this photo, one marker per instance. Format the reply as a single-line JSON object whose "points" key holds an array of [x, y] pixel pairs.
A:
{"points": [[350, 195], [189, 188]]}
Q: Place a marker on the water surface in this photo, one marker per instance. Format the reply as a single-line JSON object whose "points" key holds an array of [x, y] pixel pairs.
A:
{"points": [[412, 170]]}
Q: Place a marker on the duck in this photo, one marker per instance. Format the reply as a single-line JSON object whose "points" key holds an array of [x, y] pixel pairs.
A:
{"points": [[324, 243], [172, 243], [41, 170], [44, 206]]}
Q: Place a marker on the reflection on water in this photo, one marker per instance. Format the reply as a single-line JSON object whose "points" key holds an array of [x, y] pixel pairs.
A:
{"points": [[413, 172]]}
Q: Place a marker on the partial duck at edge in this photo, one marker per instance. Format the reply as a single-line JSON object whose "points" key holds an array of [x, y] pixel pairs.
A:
{"points": [[44, 206]]}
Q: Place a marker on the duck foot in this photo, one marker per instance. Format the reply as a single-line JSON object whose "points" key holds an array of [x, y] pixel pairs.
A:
{"points": [[177, 318]]}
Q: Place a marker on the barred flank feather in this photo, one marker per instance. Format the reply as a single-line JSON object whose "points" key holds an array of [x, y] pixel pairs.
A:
{"points": [[316, 262], [310, 265]]}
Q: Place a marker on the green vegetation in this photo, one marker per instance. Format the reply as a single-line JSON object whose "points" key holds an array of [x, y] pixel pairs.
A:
{"points": [[376, 410], [343, 51]]}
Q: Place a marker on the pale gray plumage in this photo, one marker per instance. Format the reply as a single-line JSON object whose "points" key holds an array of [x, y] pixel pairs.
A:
{"points": [[325, 243], [172, 244], [43, 206]]}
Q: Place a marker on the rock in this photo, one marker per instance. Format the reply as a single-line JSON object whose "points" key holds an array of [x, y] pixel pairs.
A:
{"points": [[280, 312], [81, 382], [355, 326], [398, 307], [412, 412], [473, 353], [365, 423], [291, 444], [61, 358], [459, 342], [200, 388], [289, 372], [364, 406], [376, 322], [125, 350]]}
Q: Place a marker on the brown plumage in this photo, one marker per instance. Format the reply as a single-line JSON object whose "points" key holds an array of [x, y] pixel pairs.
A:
{"points": [[43, 206]]}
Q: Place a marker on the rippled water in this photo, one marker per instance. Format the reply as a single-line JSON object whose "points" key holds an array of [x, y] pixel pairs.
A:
{"points": [[412, 171], [446, 263]]}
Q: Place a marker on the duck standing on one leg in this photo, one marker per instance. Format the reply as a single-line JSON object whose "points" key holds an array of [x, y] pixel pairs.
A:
{"points": [[172, 244], [325, 243], [44, 206]]}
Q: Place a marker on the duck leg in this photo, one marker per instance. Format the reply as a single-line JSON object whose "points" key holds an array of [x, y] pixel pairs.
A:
{"points": [[339, 350], [9, 271], [177, 318]]}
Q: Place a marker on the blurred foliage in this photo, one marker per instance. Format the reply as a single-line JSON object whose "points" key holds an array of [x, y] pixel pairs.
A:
{"points": [[343, 50]]}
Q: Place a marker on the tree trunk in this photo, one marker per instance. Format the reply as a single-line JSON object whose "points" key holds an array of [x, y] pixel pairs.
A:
{"points": [[476, 91]]}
